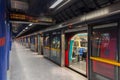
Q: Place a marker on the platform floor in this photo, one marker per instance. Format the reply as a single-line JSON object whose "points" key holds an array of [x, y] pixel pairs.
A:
{"points": [[26, 65]]}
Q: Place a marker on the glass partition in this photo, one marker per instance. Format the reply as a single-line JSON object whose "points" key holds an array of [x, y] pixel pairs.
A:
{"points": [[56, 47], [46, 49], [104, 52]]}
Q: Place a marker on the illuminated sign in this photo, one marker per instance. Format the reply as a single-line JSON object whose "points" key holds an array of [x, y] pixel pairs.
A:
{"points": [[18, 16], [45, 19], [23, 17]]}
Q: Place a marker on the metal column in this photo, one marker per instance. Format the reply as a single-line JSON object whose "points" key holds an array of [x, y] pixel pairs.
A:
{"points": [[118, 48], [62, 48], [3, 55], [89, 52]]}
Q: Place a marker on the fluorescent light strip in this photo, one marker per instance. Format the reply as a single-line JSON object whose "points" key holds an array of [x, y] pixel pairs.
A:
{"points": [[26, 28], [23, 29], [56, 3], [64, 4], [30, 24]]}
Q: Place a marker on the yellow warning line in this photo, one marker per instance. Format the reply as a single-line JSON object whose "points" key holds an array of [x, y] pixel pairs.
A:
{"points": [[47, 47], [112, 62], [55, 49], [52, 49]]}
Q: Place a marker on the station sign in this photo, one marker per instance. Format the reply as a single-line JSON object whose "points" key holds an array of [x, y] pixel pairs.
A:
{"points": [[24, 17], [18, 16]]}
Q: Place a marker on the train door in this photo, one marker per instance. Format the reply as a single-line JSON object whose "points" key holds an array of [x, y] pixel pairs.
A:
{"points": [[67, 46], [41, 42], [28, 42], [25, 41], [56, 47], [47, 47], [78, 52], [104, 52], [36, 43], [33, 43], [40, 45]]}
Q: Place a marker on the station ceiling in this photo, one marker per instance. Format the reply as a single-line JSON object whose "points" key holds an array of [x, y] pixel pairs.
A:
{"points": [[71, 9]]}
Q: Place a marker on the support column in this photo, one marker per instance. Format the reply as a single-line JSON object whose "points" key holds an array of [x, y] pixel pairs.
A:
{"points": [[3, 55], [118, 49], [62, 48], [89, 52], [39, 48]]}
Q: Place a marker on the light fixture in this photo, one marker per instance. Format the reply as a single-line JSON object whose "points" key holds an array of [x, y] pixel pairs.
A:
{"points": [[23, 30], [64, 4], [26, 28], [56, 3], [30, 24]]}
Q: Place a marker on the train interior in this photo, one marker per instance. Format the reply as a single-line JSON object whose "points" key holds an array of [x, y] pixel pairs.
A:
{"points": [[76, 51]]}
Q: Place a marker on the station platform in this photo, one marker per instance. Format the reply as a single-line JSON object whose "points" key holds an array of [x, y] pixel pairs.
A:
{"points": [[27, 65]]}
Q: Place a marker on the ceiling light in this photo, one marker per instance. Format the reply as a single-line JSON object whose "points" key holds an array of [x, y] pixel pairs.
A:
{"points": [[64, 4], [30, 24], [56, 3], [26, 28]]}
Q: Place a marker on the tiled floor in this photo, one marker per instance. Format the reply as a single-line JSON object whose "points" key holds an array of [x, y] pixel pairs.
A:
{"points": [[26, 65]]}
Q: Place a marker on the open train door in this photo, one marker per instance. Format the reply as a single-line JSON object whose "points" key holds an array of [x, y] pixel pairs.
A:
{"points": [[67, 41], [40, 45], [76, 43]]}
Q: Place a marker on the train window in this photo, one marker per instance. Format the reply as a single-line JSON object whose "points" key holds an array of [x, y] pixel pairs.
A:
{"points": [[32, 40], [55, 48], [83, 44], [104, 43], [56, 42], [47, 41], [76, 43]]}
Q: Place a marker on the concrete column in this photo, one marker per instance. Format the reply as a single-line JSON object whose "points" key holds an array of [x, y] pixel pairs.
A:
{"points": [[3, 52], [62, 48]]}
